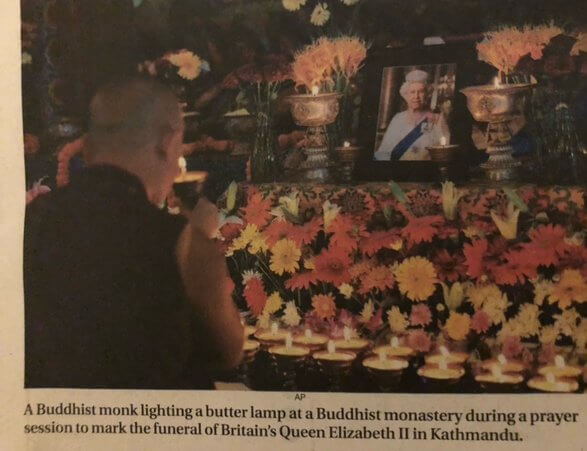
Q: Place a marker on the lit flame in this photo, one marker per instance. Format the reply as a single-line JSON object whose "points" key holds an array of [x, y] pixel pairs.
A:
{"points": [[331, 347], [443, 141], [346, 144], [183, 164], [496, 370], [394, 342], [346, 333], [496, 82], [315, 90], [559, 361], [274, 328], [288, 340], [308, 333], [501, 359], [444, 351]]}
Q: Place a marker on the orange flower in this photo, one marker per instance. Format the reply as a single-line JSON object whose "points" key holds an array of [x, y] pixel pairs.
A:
{"points": [[548, 243], [416, 278], [519, 266], [379, 278], [379, 240], [305, 234], [332, 266], [361, 268], [324, 306], [458, 325], [255, 295], [474, 254], [279, 229], [257, 210], [301, 280], [421, 229], [571, 287]]}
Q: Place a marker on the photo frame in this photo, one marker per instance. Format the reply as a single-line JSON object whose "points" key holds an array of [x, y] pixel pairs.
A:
{"points": [[443, 69]]}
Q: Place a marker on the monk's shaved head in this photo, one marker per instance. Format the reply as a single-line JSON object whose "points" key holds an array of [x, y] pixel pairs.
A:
{"points": [[131, 116]]}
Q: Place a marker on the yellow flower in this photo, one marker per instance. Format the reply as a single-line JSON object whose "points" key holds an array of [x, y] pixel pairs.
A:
{"points": [[367, 312], [416, 277], [440, 307], [309, 263], [453, 296], [548, 334], [320, 15], [350, 2], [508, 225], [398, 321], [581, 336], [258, 244], [479, 294], [288, 206], [285, 257], [188, 63], [293, 5], [567, 321], [473, 232], [263, 320], [273, 303], [330, 212], [495, 307], [542, 289], [527, 319], [571, 287], [291, 317], [580, 45], [450, 200], [458, 325], [346, 290], [397, 245]]}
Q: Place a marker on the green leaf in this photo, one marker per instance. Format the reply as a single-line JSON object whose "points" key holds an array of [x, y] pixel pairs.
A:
{"points": [[398, 192], [231, 196], [516, 200], [137, 3]]}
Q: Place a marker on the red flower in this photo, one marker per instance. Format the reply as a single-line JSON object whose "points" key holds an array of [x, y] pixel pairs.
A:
{"points": [[257, 210], [419, 341], [378, 240], [379, 278], [548, 243], [575, 257], [230, 231], [480, 322], [346, 318], [305, 234], [345, 233], [512, 347], [255, 295], [421, 229], [519, 266], [449, 267], [547, 354], [375, 322], [332, 266], [420, 315], [474, 254], [301, 280], [277, 230]]}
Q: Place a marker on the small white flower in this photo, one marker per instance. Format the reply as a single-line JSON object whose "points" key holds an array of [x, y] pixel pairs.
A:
{"points": [[250, 274], [293, 5], [320, 15]]}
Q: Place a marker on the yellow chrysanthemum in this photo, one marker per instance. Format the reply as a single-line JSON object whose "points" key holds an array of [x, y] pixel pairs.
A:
{"points": [[416, 278], [542, 289], [567, 321], [189, 65], [285, 257], [480, 294], [258, 244], [320, 15], [293, 5], [367, 312], [273, 303], [346, 290], [398, 321], [291, 317], [495, 307], [324, 306], [527, 319], [571, 287], [548, 334], [458, 325]]}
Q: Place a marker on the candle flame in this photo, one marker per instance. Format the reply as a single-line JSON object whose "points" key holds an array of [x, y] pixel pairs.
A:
{"points": [[444, 351], [496, 82], [274, 328], [394, 342], [559, 361], [182, 163], [443, 141], [496, 370], [288, 340], [331, 347], [308, 333], [501, 359], [346, 332], [315, 90], [346, 144]]}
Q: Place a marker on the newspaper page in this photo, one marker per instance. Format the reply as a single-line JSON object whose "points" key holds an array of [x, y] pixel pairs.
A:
{"points": [[293, 415]]}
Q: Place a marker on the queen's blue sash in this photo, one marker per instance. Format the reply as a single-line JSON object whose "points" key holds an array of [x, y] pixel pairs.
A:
{"points": [[407, 141]]}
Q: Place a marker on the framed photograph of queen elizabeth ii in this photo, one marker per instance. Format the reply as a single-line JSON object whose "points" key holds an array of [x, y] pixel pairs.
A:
{"points": [[411, 101]]}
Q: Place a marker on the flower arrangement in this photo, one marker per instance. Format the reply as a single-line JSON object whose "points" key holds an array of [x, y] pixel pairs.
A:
{"points": [[503, 48], [320, 13], [180, 65], [67, 152], [378, 260], [328, 64]]}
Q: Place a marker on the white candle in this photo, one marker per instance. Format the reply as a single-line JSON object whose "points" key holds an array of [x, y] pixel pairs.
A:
{"points": [[496, 82], [550, 378], [308, 333], [274, 328], [383, 355], [559, 361], [496, 370], [443, 141], [501, 359], [346, 333], [394, 342], [331, 347], [444, 351], [315, 90], [442, 364], [346, 144], [288, 340]]}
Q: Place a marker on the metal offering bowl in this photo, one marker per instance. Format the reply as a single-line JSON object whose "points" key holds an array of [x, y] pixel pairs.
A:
{"points": [[310, 110], [489, 103]]}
